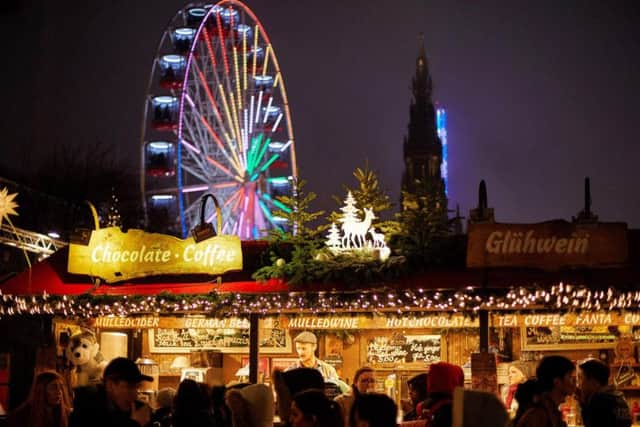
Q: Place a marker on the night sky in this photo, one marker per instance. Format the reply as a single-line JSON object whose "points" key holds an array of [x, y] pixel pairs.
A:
{"points": [[539, 94]]}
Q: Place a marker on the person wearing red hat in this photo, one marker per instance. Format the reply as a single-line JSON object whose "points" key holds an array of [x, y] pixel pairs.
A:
{"points": [[442, 380]]}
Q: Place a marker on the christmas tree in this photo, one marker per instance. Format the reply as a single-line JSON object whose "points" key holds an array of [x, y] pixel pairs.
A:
{"points": [[333, 238], [349, 210]]}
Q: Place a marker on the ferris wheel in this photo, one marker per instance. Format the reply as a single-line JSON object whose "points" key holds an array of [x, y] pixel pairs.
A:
{"points": [[216, 120]]}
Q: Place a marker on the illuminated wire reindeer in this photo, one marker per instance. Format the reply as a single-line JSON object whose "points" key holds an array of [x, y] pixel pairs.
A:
{"points": [[378, 239], [355, 231]]}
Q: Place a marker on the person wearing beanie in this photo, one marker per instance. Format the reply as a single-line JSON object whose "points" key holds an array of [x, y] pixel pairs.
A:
{"points": [[306, 345], [442, 380]]}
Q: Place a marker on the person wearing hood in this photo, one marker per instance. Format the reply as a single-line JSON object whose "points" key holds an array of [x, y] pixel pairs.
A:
{"points": [[602, 404], [442, 380], [417, 393]]}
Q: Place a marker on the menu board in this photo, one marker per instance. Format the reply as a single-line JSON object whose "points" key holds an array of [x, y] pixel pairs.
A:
{"points": [[272, 339], [567, 337], [403, 349], [191, 338]]}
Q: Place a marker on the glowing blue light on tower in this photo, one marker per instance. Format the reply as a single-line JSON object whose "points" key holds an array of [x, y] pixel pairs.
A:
{"points": [[441, 125]]}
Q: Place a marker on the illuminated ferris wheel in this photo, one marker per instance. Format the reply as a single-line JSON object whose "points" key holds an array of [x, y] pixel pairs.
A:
{"points": [[216, 120]]}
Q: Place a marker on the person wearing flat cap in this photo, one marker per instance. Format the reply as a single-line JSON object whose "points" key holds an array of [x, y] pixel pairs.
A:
{"points": [[114, 402], [306, 344]]}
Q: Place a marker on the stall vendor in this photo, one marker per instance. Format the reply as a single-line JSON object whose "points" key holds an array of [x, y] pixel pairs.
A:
{"points": [[306, 344]]}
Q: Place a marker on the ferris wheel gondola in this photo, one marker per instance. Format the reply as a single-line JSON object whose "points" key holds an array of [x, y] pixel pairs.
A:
{"points": [[216, 120]]}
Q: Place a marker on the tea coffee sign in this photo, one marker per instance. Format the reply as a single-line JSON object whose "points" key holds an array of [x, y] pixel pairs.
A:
{"points": [[548, 245], [115, 256]]}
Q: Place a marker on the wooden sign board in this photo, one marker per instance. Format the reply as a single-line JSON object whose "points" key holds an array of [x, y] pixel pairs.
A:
{"points": [[115, 256], [548, 245], [567, 337], [484, 376], [272, 339]]}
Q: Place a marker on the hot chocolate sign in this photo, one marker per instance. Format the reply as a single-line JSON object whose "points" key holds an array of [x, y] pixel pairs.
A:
{"points": [[548, 245]]}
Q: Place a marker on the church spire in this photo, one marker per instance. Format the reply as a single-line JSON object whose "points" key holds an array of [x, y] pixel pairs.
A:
{"points": [[422, 145], [422, 85]]}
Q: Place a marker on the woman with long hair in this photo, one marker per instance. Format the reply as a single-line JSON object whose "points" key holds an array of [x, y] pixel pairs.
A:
{"points": [[48, 404], [311, 408], [364, 381]]}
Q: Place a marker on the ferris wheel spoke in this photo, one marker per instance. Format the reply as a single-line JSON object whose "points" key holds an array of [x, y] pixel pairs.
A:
{"points": [[266, 60], [267, 213], [274, 202], [195, 169], [211, 100], [195, 172], [264, 166], [222, 43], [194, 160], [195, 188], [213, 135], [235, 131], [196, 134], [196, 157]]}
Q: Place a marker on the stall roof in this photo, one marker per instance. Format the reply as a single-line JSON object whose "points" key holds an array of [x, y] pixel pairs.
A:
{"points": [[51, 276]]}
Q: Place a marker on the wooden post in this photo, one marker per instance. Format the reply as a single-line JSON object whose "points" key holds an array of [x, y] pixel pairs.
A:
{"points": [[483, 320], [484, 331], [253, 348]]}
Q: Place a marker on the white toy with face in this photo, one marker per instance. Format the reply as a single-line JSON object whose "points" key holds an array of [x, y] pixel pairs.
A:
{"points": [[83, 353]]}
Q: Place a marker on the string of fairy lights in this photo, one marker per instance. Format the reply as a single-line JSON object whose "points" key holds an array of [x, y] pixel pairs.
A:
{"points": [[562, 297]]}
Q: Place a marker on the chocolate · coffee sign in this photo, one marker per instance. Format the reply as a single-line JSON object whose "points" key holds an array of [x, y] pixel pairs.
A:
{"points": [[548, 245], [115, 256]]}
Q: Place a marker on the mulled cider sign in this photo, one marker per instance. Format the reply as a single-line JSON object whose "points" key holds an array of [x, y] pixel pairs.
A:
{"points": [[548, 245]]}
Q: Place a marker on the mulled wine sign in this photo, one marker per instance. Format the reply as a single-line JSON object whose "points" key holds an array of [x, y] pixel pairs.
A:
{"points": [[113, 255], [548, 245]]}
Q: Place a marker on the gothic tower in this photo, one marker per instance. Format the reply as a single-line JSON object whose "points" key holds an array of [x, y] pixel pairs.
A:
{"points": [[422, 146]]}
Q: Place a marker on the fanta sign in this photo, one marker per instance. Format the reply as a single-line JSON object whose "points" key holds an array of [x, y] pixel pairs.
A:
{"points": [[116, 256]]}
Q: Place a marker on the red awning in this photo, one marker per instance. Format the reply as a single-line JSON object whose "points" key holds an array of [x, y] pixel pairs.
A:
{"points": [[51, 276]]}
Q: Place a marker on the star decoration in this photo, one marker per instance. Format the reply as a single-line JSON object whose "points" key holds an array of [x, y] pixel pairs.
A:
{"points": [[7, 205]]}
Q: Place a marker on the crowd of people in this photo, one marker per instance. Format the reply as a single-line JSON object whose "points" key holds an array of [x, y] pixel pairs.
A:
{"points": [[438, 399]]}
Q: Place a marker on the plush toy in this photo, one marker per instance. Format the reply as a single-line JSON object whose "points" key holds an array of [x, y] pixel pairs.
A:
{"points": [[83, 352]]}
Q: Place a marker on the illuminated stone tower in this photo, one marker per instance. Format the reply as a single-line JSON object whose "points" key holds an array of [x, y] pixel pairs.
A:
{"points": [[422, 146]]}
